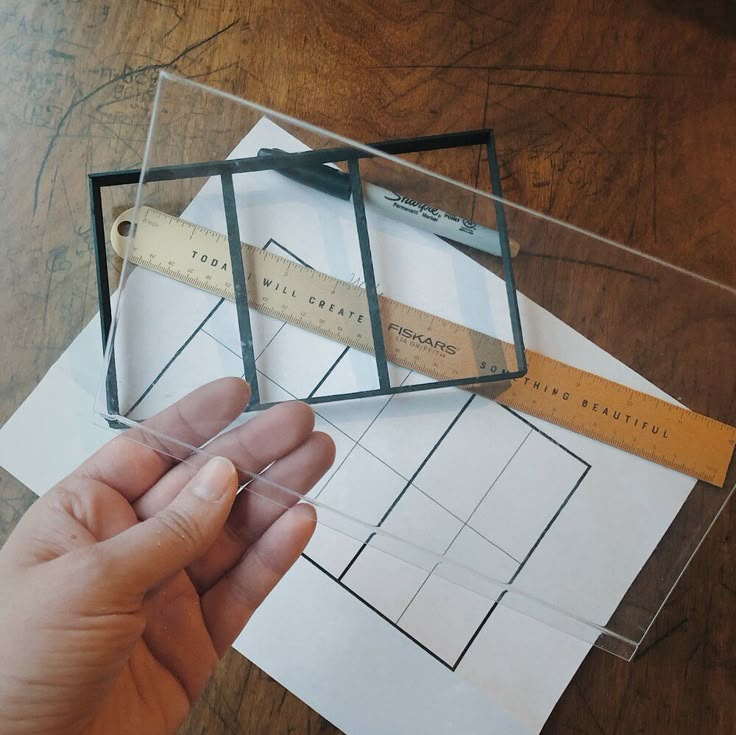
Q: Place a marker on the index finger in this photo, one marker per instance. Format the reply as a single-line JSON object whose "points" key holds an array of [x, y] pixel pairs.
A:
{"points": [[136, 459]]}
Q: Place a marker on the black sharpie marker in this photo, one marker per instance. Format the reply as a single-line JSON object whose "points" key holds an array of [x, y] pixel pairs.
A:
{"points": [[332, 181]]}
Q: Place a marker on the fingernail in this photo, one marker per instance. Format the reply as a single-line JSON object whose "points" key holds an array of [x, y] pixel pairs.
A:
{"points": [[213, 480]]}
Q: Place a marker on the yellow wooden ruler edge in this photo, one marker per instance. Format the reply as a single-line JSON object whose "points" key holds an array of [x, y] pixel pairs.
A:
{"points": [[554, 391]]}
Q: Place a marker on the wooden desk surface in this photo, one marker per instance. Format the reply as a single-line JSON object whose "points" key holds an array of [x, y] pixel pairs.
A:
{"points": [[616, 116]]}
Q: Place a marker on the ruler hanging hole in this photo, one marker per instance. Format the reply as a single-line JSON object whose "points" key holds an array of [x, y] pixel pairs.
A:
{"points": [[125, 228]]}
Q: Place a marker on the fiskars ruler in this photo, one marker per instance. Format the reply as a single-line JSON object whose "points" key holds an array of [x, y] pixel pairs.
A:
{"points": [[588, 404]]}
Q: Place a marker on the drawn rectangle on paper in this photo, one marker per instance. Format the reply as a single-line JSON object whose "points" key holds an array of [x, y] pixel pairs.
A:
{"points": [[419, 489]]}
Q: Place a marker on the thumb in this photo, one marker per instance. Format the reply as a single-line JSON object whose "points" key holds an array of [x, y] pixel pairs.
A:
{"points": [[143, 556]]}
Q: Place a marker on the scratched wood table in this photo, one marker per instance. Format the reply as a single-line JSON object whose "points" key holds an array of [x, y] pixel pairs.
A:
{"points": [[615, 116]]}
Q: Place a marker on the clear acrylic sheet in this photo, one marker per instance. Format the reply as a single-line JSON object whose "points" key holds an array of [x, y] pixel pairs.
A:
{"points": [[441, 505]]}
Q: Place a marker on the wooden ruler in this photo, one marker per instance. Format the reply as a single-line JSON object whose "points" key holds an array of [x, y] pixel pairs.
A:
{"points": [[552, 390]]}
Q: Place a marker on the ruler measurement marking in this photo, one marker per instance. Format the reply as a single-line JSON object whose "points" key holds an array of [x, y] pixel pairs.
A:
{"points": [[688, 442]]}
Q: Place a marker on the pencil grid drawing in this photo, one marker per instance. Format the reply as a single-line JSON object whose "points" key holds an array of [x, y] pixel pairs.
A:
{"points": [[451, 472]]}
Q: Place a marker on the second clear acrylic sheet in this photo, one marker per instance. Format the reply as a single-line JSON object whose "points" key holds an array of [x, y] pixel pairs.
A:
{"points": [[442, 505]]}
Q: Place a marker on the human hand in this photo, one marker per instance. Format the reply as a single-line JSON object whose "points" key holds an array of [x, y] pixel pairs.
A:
{"points": [[124, 584]]}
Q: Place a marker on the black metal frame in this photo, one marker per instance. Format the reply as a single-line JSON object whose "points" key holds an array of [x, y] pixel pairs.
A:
{"points": [[225, 170]]}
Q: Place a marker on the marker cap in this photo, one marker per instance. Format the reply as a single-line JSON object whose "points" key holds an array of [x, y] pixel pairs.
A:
{"points": [[326, 179]]}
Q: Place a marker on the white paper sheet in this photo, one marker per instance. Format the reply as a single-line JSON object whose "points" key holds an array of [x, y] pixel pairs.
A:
{"points": [[374, 644]]}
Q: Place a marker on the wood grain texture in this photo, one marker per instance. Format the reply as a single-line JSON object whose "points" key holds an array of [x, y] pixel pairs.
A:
{"points": [[616, 116]]}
